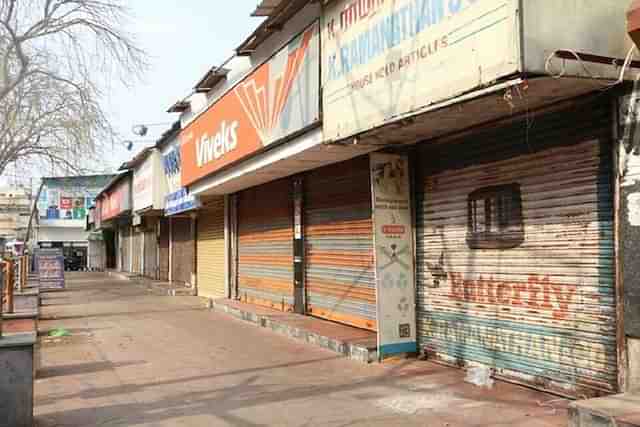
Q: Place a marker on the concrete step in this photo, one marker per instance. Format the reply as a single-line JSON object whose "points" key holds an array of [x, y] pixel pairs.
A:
{"points": [[302, 328], [621, 410]]}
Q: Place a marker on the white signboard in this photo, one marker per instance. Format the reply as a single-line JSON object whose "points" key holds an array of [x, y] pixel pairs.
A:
{"points": [[143, 185], [149, 188], [383, 59], [393, 239]]}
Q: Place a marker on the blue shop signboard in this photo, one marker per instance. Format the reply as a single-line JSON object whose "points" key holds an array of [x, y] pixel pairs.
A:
{"points": [[50, 266], [179, 199]]}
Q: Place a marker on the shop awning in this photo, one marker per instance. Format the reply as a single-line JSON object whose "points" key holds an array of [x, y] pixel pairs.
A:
{"points": [[480, 107], [301, 154]]}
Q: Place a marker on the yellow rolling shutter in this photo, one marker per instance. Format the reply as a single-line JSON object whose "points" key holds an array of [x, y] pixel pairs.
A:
{"points": [[211, 249]]}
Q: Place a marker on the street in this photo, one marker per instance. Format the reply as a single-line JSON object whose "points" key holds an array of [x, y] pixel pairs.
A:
{"points": [[138, 359]]}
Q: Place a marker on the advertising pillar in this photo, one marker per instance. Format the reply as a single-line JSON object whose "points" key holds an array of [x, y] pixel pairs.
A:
{"points": [[393, 240]]}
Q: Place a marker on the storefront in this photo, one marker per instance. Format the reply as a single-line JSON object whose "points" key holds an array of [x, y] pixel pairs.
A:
{"points": [[512, 183], [263, 148], [163, 249], [125, 247], [338, 233], [515, 250], [265, 245], [113, 205], [177, 238], [151, 249], [137, 248], [182, 246], [63, 205], [211, 249], [150, 190]]}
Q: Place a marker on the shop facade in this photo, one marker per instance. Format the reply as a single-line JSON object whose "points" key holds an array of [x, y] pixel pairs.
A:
{"points": [[177, 227], [113, 217], [473, 220], [149, 192], [512, 176], [63, 205]]}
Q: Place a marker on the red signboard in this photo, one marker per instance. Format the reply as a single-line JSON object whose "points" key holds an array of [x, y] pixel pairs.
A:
{"points": [[116, 201], [66, 203], [279, 98]]}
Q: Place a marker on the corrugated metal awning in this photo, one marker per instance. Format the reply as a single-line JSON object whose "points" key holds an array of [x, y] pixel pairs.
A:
{"points": [[266, 7], [214, 76], [278, 12]]}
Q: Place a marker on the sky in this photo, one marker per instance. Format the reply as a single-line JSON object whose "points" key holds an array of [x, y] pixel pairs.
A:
{"points": [[184, 38]]}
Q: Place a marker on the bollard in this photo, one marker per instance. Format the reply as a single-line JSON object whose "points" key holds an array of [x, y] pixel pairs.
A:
{"points": [[9, 284], [23, 274]]}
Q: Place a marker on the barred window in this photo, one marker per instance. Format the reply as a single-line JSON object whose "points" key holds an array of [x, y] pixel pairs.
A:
{"points": [[495, 218]]}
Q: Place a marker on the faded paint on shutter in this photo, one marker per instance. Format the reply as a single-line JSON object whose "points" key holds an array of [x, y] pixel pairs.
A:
{"points": [[541, 312], [265, 248], [125, 249], [338, 232], [163, 243], [210, 253], [151, 251], [183, 248]]}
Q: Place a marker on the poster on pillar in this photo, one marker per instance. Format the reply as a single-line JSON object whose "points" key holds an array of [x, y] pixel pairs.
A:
{"points": [[393, 239]]}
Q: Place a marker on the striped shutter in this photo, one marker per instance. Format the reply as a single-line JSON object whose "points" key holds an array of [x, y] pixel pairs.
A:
{"points": [[338, 232], [125, 249], [210, 247], [265, 247], [138, 251], [183, 250], [541, 311], [163, 243], [151, 251]]}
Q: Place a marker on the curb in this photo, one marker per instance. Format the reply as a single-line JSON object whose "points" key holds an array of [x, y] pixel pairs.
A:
{"points": [[352, 351]]}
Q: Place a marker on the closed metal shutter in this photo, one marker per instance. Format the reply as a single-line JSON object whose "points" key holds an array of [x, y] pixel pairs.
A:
{"points": [[125, 249], [151, 251], [210, 253], [515, 251], [183, 250], [265, 247], [338, 232], [163, 243], [137, 253]]}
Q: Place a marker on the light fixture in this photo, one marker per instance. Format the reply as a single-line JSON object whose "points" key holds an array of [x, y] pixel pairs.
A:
{"points": [[128, 144], [143, 129]]}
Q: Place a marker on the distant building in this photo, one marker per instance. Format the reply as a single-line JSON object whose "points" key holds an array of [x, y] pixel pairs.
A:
{"points": [[63, 205], [15, 208]]}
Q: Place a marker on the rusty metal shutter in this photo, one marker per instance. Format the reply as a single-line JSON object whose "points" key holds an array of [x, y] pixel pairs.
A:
{"points": [[265, 247], [151, 250], [338, 232], [137, 252], [163, 243], [541, 311], [183, 250], [210, 250], [125, 249]]}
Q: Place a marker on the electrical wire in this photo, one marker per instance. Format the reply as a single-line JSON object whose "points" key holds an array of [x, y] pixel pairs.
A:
{"points": [[562, 72]]}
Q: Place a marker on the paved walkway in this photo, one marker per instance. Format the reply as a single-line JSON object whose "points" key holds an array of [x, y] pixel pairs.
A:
{"points": [[138, 359]]}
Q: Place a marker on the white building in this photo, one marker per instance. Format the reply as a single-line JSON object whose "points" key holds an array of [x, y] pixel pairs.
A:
{"points": [[63, 205]]}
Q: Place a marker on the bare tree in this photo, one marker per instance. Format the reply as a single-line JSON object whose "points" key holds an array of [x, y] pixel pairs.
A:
{"points": [[55, 57], [45, 121]]}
